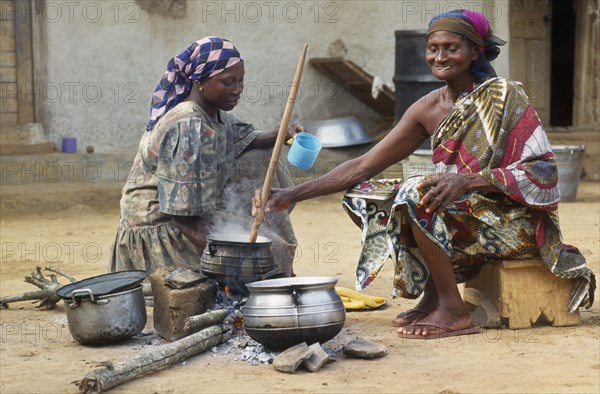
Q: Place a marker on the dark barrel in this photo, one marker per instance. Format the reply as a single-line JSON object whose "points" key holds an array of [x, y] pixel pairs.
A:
{"points": [[412, 78]]}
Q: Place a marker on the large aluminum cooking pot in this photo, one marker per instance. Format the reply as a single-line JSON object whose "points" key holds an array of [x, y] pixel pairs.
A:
{"points": [[230, 259], [280, 313], [105, 319]]}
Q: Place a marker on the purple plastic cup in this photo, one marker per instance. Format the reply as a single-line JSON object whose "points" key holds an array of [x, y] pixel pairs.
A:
{"points": [[69, 145]]}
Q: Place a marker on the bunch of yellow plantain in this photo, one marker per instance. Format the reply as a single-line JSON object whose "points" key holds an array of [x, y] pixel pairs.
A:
{"points": [[353, 300]]}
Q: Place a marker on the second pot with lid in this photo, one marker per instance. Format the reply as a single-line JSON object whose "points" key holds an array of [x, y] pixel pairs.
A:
{"points": [[231, 260]]}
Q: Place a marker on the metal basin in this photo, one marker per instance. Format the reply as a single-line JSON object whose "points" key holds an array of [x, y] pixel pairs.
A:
{"points": [[338, 132], [280, 313]]}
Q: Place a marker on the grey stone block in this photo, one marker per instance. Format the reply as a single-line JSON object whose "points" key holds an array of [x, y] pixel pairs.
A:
{"points": [[290, 359], [361, 348], [317, 359], [486, 315]]}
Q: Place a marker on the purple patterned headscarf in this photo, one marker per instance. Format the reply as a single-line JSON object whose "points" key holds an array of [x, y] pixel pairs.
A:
{"points": [[203, 59], [475, 27]]}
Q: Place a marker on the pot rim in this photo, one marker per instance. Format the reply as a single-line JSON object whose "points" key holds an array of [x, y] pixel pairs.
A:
{"points": [[104, 284], [237, 239], [103, 297], [298, 281]]}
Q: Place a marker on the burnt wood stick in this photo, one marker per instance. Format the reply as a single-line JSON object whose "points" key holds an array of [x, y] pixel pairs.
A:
{"points": [[210, 318], [61, 273], [38, 279], [111, 375], [31, 295], [47, 296]]}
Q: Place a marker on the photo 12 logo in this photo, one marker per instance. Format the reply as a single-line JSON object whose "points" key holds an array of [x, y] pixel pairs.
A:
{"points": [[50, 252], [423, 11], [68, 92], [270, 11], [70, 11], [63, 171], [271, 92], [318, 252]]}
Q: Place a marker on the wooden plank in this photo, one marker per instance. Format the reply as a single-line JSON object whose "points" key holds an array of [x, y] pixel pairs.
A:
{"points": [[9, 104], [509, 264], [22, 149], [8, 74], [530, 50], [586, 85], [10, 135], [357, 82], [7, 35], [24, 54], [8, 59], [7, 120]]}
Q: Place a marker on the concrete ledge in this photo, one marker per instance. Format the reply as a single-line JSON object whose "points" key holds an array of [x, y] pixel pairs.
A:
{"points": [[103, 167], [64, 167]]}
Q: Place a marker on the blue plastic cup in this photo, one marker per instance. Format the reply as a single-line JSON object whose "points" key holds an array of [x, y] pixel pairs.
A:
{"points": [[304, 151]]}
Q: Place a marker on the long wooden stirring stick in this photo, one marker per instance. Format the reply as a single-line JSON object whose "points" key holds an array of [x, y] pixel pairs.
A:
{"points": [[287, 113]]}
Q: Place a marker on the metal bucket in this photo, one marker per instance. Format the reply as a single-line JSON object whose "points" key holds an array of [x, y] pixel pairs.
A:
{"points": [[569, 160]]}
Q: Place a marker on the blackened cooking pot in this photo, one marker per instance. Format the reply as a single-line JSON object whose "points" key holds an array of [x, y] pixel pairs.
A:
{"points": [[231, 260], [105, 319], [280, 313]]}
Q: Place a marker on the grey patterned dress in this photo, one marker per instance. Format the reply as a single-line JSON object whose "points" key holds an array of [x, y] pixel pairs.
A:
{"points": [[192, 165]]}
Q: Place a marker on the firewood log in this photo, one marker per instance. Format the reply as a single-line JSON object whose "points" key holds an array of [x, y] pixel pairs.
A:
{"points": [[111, 374]]}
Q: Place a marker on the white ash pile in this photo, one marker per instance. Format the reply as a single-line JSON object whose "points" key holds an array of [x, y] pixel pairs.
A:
{"points": [[240, 347], [243, 348]]}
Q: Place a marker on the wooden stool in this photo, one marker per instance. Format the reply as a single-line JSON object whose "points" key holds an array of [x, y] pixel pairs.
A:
{"points": [[523, 291]]}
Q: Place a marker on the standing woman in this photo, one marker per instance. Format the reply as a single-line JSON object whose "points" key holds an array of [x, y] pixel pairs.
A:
{"points": [[494, 195], [196, 167]]}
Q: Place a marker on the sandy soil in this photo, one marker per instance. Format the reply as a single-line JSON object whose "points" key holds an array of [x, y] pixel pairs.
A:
{"points": [[71, 226]]}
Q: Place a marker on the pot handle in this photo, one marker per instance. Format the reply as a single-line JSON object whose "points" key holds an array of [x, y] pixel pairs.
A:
{"points": [[84, 292], [270, 274], [212, 249], [295, 297]]}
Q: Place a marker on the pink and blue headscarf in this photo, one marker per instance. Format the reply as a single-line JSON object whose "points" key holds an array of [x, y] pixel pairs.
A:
{"points": [[475, 27], [203, 59]]}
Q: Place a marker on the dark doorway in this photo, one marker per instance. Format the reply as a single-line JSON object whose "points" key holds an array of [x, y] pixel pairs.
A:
{"points": [[562, 67]]}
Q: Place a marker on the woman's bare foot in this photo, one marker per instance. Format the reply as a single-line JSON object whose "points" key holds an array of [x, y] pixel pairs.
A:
{"points": [[408, 317], [442, 322], [427, 304]]}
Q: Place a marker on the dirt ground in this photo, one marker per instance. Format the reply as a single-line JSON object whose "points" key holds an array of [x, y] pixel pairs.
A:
{"points": [[71, 226]]}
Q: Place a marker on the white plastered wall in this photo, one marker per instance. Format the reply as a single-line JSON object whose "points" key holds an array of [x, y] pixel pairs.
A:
{"points": [[97, 62]]}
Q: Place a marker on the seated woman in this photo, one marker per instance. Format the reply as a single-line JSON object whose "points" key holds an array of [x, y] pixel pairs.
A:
{"points": [[494, 195], [197, 167]]}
